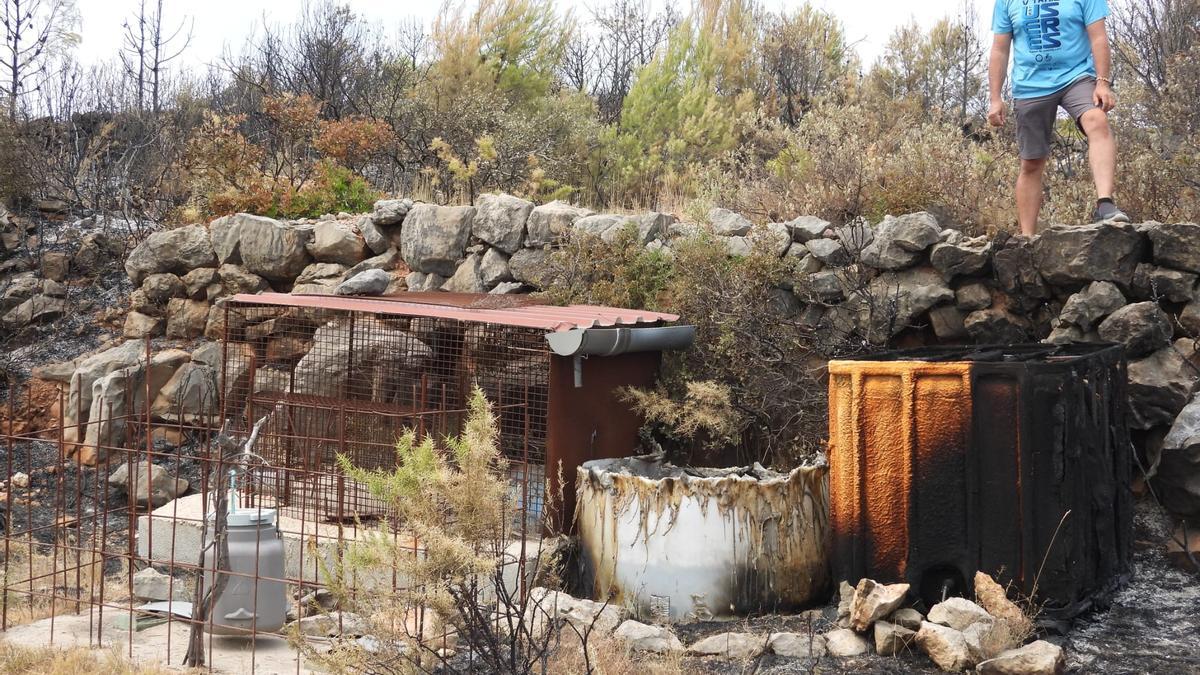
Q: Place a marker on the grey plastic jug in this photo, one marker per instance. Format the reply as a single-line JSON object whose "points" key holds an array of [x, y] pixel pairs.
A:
{"points": [[255, 597]]}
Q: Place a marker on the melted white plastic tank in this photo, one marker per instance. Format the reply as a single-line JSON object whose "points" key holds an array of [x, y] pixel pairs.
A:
{"points": [[674, 545]]}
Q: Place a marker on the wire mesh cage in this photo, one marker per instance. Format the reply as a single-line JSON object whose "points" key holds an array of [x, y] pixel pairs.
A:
{"points": [[349, 380]]}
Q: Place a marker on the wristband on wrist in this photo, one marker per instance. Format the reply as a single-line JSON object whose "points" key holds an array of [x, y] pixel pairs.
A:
{"points": [[1105, 80]]}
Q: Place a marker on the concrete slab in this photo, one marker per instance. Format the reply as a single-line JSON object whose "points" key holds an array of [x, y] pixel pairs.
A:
{"points": [[165, 645]]}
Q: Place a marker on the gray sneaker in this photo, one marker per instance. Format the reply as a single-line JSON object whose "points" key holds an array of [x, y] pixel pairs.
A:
{"points": [[1107, 212]]}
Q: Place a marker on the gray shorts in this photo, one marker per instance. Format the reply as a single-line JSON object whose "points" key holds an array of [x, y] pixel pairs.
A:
{"points": [[1035, 116]]}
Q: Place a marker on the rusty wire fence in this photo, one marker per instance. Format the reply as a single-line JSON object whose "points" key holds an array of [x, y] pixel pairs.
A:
{"points": [[328, 383]]}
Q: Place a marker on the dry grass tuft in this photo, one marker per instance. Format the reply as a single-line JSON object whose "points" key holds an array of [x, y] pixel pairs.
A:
{"points": [[608, 656], [16, 658]]}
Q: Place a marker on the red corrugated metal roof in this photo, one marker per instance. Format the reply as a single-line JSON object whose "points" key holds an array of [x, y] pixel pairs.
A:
{"points": [[521, 311]]}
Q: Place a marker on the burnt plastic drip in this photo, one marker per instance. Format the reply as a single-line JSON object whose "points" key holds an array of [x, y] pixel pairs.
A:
{"points": [[1012, 460]]}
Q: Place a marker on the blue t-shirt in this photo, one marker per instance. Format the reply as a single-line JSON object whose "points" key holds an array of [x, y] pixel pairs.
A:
{"points": [[1050, 42]]}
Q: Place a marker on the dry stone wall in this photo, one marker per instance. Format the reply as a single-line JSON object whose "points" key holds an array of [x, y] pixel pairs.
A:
{"points": [[905, 280]]}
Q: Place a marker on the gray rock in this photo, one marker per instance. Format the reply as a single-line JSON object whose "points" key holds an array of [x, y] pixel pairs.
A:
{"points": [[1036, 658], [1151, 282], [808, 263], [96, 251], [640, 637], [797, 645], [1065, 335], [138, 325], [177, 251], [772, 240], [726, 223], [1160, 385], [508, 288], [845, 601], [988, 638], [150, 585], [435, 237], [966, 257], [651, 226], [1016, 272], [735, 247], [948, 323], [947, 647], [844, 642], [466, 278], [196, 282], [806, 228], [236, 280], [1072, 256], [161, 287], [25, 286], [336, 242], [899, 243], [907, 617], [598, 225], [550, 223], [873, 602], [189, 396], [896, 300], [997, 326], [87, 373], [547, 606], [367, 282], [387, 261], [958, 613], [493, 268], [830, 252], [263, 246], [379, 350], [1096, 301], [186, 319], [972, 297], [1142, 327], [739, 646], [319, 278], [419, 281], [154, 487], [390, 211], [500, 220], [1176, 246], [531, 266], [1178, 477], [375, 239], [37, 309], [783, 303], [892, 639]]}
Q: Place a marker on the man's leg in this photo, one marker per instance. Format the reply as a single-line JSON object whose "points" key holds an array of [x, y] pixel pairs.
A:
{"points": [[1029, 194], [1102, 150]]}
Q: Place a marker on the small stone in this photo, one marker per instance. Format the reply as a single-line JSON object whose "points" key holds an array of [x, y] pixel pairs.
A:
{"points": [[726, 223], [957, 613], [987, 639], [845, 642], [798, 645], [948, 323], [907, 617], [807, 228], [891, 639], [874, 601], [333, 624], [150, 585], [1036, 658], [946, 646], [730, 645], [19, 480], [156, 488], [640, 637], [138, 325], [845, 600], [830, 252], [56, 265]]}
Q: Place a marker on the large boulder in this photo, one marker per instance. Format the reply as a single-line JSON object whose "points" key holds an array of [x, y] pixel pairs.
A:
{"points": [[236, 280], [178, 251], [161, 287], [997, 325], [87, 372], [500, 220], [550, 223], [547, 606], [493, 268], [1016, 273], [467, 278], [37, 309], [899, 243], [375, 239], [1096, 301], [1073, 256], [1178, 477], [191, 395], [336, 242], [435, 237], [1176, 246], [1142, 327], [264, 246], [1161, 384], [829, 251], [894, 301], [531, 266], [806, 228], [374, 356], [186, 319], [138, 325], [120, 393]]}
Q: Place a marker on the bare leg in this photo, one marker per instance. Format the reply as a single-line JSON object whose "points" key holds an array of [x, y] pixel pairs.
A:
{"points": [[1102, 150], [1029, 194]]}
